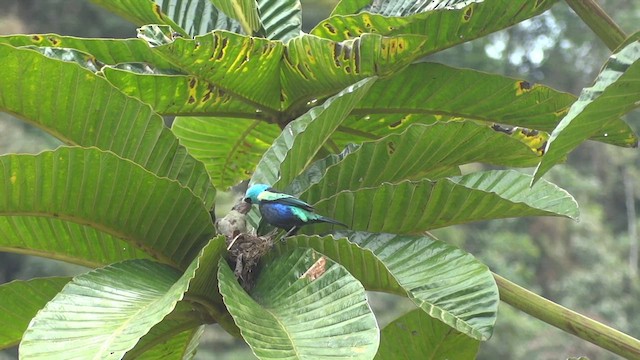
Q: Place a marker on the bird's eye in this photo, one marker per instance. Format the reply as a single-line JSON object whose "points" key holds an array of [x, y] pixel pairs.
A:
{"points": [[247, 199]]}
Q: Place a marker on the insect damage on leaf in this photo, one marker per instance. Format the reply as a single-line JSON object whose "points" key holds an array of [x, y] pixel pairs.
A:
{"points": [[316, 270]]}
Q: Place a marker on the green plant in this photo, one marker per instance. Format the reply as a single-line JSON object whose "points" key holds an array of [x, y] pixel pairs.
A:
{"points": [[131, 198]]}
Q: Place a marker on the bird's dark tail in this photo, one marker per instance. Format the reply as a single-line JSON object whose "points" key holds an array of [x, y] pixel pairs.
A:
{"points": [[329, 220]]}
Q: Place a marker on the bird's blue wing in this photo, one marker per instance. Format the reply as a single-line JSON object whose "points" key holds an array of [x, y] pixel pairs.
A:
{"points": [[286, 199]]}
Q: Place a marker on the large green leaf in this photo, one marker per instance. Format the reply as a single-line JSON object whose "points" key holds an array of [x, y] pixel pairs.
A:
{"points": [[175, 337], [81, 108], [417, 153], [429, 92], [106, 311], [444, 281], [445, 22], [106, 51], [51, 200], [315, 67], [410, 207], [126, 303], [174, 94], [304, 306], [19, 303], [301, 139], [228, 148], [240, 65], [281, 19], [192, 17], [415, 335], [614, 93], [244, 11]]}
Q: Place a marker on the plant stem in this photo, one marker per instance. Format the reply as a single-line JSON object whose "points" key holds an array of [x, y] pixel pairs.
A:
{"points": [[568, 320], [598, 20]]}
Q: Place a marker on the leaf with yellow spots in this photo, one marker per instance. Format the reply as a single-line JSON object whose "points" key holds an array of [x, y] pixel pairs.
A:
{"points": [[444, 22]]}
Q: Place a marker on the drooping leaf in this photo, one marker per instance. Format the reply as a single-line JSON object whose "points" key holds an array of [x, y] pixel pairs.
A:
{"points": [[282, 19], [445, 22], [81, 108], [44, 209], [243, 11], [420, 152], [415, 335], [301, 139], [106, 311], [228, 148], [19, 303], [429, 92], [303, 306], [614, 93], [410, 207], [444, 281]]}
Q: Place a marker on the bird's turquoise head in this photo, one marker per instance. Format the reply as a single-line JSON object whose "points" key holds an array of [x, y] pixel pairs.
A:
{"points": [[252, 193]]}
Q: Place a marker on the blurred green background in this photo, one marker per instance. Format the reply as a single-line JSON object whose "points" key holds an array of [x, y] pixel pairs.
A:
{"points": [[590, 266]]}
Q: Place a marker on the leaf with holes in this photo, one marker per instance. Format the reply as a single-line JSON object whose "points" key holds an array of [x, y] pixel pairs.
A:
{"points": [[415, 335], [19, 303], [81, 108], [445, 282], [614, 94], [304, 305], [228, 148]]}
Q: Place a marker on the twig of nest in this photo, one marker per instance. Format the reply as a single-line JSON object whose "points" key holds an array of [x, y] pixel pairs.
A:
{"points": [[244, 249]]}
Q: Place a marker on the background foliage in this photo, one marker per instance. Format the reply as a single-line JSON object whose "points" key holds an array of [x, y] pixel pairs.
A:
{"points": [[559, 259]]}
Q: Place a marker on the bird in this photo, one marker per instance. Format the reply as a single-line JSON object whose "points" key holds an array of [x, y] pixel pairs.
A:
{"points": [[283, 210]]}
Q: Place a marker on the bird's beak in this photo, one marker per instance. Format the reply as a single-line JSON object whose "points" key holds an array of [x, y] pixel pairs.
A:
{"points": [[248, 200]]}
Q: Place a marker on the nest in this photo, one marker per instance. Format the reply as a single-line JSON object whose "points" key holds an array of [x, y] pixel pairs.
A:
{"points": [[244, 249]]}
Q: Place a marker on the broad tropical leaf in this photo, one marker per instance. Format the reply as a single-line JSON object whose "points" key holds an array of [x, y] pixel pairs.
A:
{"points": [[175, 337], [81, 108], [418, 153], [228, 148], [19, 303], [106, 311], [444, 281], [193, 17], [281, 19], [301, 139], [315, 67], [304, 306], [243, 11], [415, 335], [129, 208], [445, 22], [175, 94], [411, 207], [106, 51], [614, 93], [430, 92], [244, 66]]}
